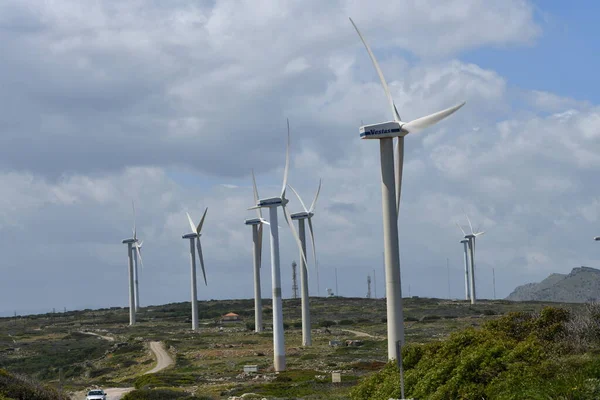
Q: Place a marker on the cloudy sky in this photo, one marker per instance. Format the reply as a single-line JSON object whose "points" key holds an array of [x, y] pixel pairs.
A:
{"points": [[171, 104]]}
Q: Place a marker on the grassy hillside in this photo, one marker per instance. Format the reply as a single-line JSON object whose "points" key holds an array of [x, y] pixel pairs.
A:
{"points": [[548, 355], [18, 387], [210, 362]]}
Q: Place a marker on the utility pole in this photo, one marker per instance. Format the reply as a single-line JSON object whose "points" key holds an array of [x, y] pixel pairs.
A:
{"points": [[375, 282], [336, 285], [294, 280], [368, 286], [494, 281]]}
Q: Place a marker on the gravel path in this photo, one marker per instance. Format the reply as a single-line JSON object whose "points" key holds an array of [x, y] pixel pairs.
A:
{"points": [[163, 359]]}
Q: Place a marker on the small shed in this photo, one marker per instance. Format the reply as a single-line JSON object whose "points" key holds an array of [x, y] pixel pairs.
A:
{"points": [[250, 368], [230, 317]]}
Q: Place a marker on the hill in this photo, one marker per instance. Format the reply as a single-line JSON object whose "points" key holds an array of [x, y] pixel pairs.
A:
{"points": [[97, 348], [579, 286], [14, 386]]}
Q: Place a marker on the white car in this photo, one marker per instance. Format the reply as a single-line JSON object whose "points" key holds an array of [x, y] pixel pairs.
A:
{"points": [[96, 394]]}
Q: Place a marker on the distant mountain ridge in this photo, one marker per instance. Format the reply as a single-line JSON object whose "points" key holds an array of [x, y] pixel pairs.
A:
{"points": [[581, 285]]}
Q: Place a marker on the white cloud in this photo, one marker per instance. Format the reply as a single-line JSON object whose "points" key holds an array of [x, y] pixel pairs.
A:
{"points": [[162, 103]]}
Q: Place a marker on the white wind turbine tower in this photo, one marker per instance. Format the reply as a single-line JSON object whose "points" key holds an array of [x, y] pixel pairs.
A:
{"points": [[471, 243], [194, 238], [257, 234], [307, 215], [272, 203], [137, 253], [131, 245], [391, 181], [466, 249]]}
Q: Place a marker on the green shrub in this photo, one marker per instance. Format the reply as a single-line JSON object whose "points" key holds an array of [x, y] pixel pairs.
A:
{"points": [[517, 356], [162, 394], [326, 323], [13, 386]]}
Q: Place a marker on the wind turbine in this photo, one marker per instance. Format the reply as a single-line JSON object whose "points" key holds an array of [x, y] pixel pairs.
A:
{"points": [[391, 183], [131, 245], [257, 234], [471, 244], [194, 238], [272, 203], [307, 215]]}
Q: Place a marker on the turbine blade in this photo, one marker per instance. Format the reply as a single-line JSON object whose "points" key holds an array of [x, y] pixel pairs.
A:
{"points": [[253, 207], [461, 229], [470, 226], [192, 225], [312, 238], [134, 229], [299, 198], [264, 221], [290, 223], [314, 202], [139, 254], [432, 119], [398, 167], [259, 211], [201, 257], [139, 245], [479, 233], [380, 73], [199, 229], [287, 161]]}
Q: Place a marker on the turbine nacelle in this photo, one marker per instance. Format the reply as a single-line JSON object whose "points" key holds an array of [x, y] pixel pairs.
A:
{"points": [[464, 241], [302, 215], [253, 221], [597, 238], [382, 130], [271, 202], [127, 241], [190, 235]]}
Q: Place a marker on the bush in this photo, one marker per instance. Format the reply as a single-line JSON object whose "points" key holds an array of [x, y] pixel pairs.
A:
{"points": [[13, 386], [326, 323], [346, 322], [163, 379], [162, 394], [519, 355]]}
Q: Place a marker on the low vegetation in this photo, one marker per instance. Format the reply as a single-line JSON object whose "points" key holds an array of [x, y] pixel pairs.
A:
{"points": [[96, 348], [552, 354], [17, 387]]}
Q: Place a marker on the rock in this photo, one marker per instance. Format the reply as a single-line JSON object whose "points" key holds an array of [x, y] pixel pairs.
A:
{"points": [[581, 285]]}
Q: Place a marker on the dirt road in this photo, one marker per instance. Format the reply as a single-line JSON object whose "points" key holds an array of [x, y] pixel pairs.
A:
{"points": [[116, 393], [163, 359], [113, 394], [358, 333], [109, 338]]}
